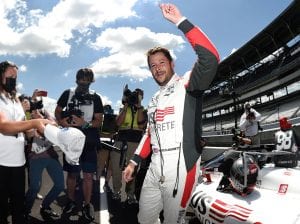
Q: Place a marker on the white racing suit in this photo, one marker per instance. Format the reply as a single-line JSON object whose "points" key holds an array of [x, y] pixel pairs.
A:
{"points": [[173, 135]]}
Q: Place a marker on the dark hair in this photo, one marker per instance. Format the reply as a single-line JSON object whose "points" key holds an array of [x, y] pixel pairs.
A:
{"points": [[138, 90], [85, 73], [247, 106], [5, 64], [155, 50], [24, 97]]}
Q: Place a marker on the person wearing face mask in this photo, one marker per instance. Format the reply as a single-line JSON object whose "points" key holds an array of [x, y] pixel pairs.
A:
{"points": [[131, 122], [82, 108], [13, 125]]}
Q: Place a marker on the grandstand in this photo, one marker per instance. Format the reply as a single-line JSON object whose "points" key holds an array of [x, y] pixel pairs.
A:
{"points": [[266, 73]]}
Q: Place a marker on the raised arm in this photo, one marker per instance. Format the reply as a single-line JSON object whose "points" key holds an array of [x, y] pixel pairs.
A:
{"points": [[205, 67], [171, 12]]}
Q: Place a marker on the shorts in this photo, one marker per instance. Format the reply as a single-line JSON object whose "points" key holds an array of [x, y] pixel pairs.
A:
{"points": [[84, 167], [88, 158], [87, 162]]}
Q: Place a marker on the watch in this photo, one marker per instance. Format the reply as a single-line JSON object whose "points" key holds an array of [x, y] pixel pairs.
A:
{"points": [[86, 125]]}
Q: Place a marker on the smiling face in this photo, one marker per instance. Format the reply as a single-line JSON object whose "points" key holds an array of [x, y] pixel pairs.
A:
{"points": [[161, 65], [161, 68]]}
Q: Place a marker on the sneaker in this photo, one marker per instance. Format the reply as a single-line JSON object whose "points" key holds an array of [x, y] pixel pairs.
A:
{"points": [[116, 196], [131, 200], [48, 213], [70, 208], [88, 212]]}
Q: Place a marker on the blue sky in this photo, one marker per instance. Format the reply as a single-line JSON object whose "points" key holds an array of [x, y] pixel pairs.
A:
{"points": [[51, 40]]}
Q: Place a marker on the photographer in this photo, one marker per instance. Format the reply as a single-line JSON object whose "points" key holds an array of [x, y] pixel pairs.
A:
{"points": [[82, 108], [249, 124], [131, 123]]}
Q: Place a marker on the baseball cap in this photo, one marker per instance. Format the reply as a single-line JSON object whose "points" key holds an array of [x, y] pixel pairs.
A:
{"points": [[70, 140]]}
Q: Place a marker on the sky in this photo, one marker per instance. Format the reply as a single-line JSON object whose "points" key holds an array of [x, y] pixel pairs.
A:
{"points": [[50, 40]]}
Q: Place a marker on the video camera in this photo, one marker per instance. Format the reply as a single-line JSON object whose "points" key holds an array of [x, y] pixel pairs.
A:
{"points": [[238, 139], [130, 97], [72, 109], [36, 105]]}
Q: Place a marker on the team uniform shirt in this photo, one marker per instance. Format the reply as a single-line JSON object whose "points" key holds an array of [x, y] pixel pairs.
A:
{"points": [[173, 135], [12, 146]]}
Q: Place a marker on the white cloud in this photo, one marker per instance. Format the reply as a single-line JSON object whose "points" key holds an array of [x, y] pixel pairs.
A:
{"points": [[127, 52], [20, 87], [37, 32], [22, 68], [105, 100], [118, 106], [29, 32], [67, 73], [156, 2]]}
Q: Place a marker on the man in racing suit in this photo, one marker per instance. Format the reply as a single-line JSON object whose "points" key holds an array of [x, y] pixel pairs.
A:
{"points": [[174, 129]]}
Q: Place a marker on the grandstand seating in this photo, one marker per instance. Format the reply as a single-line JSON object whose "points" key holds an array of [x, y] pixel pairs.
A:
{"points": [[270, 114], [260, 72]]}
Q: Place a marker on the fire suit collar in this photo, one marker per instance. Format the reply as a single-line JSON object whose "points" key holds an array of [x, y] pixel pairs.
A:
{"points": [[172, 80]]}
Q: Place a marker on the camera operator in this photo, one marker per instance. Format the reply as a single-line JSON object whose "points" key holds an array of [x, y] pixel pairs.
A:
{"points": [[82, 108], [131, 123], [249, 124]]}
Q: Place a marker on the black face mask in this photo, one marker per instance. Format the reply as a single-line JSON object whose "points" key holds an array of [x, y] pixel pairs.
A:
{"points": [[10, 85], [83, 87]]}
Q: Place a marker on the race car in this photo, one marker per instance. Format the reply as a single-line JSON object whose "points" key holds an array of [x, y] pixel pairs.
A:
{"points": [[246, 187]]}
